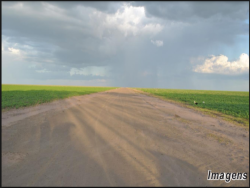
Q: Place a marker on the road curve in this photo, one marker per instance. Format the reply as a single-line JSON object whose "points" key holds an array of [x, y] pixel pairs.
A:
{"points": [[119, 138]]}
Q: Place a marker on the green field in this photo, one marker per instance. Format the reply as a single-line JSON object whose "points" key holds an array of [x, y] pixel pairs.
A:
{"points": [[15, 96], [233, 103]]}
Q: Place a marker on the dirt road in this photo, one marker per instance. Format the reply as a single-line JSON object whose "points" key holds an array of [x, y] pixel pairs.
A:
{"points": [[119, 138]]}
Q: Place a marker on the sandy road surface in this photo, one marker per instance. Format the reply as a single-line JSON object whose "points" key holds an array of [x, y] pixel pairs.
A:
{"points": [[118, 138]]}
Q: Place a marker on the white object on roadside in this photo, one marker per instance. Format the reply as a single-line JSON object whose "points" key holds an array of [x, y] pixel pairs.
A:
{"points": [[203, 101]]}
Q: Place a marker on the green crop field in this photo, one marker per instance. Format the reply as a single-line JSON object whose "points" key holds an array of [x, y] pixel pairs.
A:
{"points": [[231, 103], [15, 96]]}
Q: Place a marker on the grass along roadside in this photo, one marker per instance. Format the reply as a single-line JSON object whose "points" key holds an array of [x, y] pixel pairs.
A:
{"points": [[217, 103], [16, 96]]}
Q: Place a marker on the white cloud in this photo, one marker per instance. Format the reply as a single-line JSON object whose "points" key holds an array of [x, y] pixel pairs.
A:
{"points": [[152, 28], [127, 20], [17, 6], [130, 20], [42, 71], [14, 51], [91, 70], [221, 65], [157, 42]]}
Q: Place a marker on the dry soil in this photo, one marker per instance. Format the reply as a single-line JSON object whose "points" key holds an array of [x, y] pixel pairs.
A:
{"points": [[119, 138]]}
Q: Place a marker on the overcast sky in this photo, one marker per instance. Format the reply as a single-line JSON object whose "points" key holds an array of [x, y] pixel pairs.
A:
{"points": [[182, 45]]}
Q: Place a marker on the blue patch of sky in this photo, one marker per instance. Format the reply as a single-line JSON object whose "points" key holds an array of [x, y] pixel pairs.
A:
{"points": [[233, 52]]}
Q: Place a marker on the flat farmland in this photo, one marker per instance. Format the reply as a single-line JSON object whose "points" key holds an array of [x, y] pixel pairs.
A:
{"points": [[232, 103], [16, 96]]}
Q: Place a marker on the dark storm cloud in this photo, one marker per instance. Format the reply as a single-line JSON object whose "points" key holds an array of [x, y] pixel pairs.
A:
{"points": [[108, 6], [51, 35], [187, 11]]}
